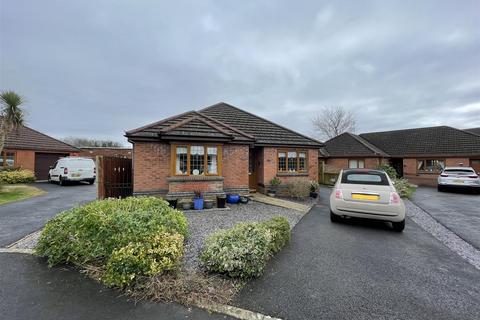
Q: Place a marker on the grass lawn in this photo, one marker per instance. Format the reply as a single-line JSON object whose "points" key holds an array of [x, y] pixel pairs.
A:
{"points": [[15, 192]]}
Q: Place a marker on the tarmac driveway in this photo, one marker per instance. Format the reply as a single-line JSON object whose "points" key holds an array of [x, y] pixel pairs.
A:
{"points": [[458, 211], [363, 270], [17, 219]]}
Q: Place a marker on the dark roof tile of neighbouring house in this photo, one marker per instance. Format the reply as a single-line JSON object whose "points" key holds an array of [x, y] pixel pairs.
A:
{"points": [[473, 130], [350, 145], [25, 138], [222, 122], [430, 141]]}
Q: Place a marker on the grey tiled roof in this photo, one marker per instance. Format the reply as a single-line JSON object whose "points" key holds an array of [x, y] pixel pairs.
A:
{"points": [[474, 130], [430, 141], [350, 145], [26, 138], [264, 131], [223, 121]]}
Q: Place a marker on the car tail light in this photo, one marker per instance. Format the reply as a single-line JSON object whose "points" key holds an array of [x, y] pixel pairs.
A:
{"points": [[65, 170], [474, 177], [94, 170], [444, 175], [338, 194], [394, 198]]}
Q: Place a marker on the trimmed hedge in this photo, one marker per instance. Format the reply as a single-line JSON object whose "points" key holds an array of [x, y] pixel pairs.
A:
{"points": [[243, 251], [16, 176], [142, 232]]}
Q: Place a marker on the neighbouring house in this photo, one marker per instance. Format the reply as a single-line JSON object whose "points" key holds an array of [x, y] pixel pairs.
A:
{"points": [[217, 150], [473, 130], [93, 152], [29, 149], [416, 154]]}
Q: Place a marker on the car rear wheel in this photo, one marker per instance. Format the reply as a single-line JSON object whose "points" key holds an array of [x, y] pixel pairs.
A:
{"points": [[333, 217], [399, 226], [440, 188], [91, 181]]}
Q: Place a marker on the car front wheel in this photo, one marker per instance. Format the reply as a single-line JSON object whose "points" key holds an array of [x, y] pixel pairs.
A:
{"points": [[399, 226], [333, 217], [61, 182]]}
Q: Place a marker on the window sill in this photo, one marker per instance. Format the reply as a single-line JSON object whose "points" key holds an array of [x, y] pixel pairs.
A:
{"points": [[194, 178], [292, 174]]}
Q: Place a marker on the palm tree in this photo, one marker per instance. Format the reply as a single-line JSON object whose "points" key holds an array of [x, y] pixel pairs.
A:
{"points": [[11, 114]]}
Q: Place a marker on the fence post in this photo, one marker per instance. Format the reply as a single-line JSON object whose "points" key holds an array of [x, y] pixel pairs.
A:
{"points": [[100, 178]]}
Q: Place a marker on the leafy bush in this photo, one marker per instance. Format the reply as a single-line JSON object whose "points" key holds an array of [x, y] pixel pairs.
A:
{"points": [[243, 251], [275, 182], [389, 170], [147, 258], [404, 188], [299, 188], [90, 234], [280, 229], [16, 176], [314, 185]]}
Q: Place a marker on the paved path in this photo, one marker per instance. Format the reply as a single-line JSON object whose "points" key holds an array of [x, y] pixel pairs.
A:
{"points": [[363, 270], [30, 290], [459, 212], [279, 202], [17, 219]]}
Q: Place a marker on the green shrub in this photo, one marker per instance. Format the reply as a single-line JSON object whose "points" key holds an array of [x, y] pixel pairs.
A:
{"points": [[280, 229], [404, 188], [16, 176], [239, 252], [90, 234], [314, 185], [161, 253], [389, 170], [299, 188], [243, 251]]}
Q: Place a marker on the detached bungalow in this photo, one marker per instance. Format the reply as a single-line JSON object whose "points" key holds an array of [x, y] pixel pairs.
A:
{"points": [[416, 154], [29, 149], [217, 150]]}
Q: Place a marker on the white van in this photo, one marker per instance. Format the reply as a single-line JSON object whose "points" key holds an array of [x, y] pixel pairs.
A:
{"points": [[72, 169]]}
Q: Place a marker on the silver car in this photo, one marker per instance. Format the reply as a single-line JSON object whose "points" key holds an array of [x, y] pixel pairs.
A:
{"points": [[463, 177], [365, 193]]}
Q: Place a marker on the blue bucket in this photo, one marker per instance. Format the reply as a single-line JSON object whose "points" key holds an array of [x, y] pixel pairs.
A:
{"points": [[198, 203]]}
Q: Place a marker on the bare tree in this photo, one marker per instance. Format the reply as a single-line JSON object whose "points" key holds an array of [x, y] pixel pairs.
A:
{"points": [[333, 121], [86, 142]]}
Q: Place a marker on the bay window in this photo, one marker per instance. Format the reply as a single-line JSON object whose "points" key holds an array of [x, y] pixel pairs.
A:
{"points": [[292, 161], [430, 165], [196, 160]]}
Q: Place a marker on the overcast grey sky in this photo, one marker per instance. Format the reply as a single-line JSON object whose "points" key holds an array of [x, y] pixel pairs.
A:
{"points": [[98, 68]]}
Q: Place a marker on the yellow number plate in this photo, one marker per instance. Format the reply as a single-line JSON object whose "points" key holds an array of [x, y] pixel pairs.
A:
{"points": [[458, 181], [372, 197]]}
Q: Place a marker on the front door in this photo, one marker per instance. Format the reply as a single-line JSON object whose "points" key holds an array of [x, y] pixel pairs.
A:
{"points": [[252, 169]]}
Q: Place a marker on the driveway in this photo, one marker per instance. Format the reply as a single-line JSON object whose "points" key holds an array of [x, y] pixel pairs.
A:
{"points": [[17, 219], [363, 270], [459, 212], [30, 290]]}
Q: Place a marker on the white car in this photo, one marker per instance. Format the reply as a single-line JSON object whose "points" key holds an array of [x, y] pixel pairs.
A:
{"points": [[365, 193], [72, 169], [464, 177]]}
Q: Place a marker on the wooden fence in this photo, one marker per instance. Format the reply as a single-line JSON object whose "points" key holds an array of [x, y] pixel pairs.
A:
{"points": [[114, 177]]}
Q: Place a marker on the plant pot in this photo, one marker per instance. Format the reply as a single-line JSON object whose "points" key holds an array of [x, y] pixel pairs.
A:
{"points": [[221, 202], [313, 194], [186, 206], [271, 193], [244, 200], [172, 203], [208, 204], [198, 203]]}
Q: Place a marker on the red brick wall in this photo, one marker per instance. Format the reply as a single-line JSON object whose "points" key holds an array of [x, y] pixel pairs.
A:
{"points": [[235, 166], [109, 152], [151, 166]]}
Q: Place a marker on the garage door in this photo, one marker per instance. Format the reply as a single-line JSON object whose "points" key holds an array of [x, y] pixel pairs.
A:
{"points": [[43, 161]]}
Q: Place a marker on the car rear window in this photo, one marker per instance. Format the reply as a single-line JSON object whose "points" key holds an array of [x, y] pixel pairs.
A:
{"points": [[460, 172], [373, 178]]}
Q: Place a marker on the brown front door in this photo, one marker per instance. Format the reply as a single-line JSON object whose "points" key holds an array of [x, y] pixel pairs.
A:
{"points": [[252, 169], [475, 164]]}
